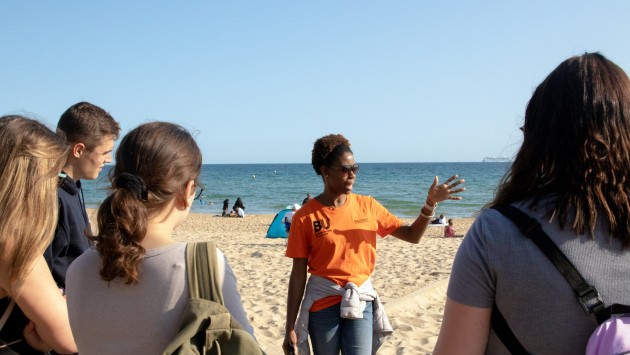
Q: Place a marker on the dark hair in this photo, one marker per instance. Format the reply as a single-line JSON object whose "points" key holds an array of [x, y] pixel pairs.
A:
{"points": [[576, 147], [89, 124], [328, 149], [158, 158]]}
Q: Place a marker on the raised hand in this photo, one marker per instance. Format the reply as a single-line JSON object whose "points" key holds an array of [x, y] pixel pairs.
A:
{"points": [[446, 191]]}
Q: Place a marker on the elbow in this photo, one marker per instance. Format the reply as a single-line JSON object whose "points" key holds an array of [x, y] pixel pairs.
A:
{"points": [[66, 349]]}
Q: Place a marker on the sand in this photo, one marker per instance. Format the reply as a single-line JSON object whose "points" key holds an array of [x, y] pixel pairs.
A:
{"points": [[410, 279]]}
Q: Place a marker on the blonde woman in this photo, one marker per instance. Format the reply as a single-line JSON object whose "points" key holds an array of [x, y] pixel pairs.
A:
{"points": [[32, 309]]}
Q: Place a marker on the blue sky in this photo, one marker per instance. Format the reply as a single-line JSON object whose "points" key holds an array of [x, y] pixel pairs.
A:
{"points": [[259, 81]]}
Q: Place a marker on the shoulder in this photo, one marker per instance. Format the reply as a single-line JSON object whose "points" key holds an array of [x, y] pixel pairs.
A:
{"points": [[86, 263], [364, 202]]}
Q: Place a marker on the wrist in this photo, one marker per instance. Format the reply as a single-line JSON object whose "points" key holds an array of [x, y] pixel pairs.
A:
{"points": [[427, 216], [430, 206]]}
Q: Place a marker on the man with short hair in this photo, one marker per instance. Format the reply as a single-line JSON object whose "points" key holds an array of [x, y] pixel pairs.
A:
{"points": [[90, 132]]}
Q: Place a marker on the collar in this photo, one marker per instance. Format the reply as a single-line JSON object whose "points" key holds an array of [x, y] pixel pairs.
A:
{"points": [[68, 184]]}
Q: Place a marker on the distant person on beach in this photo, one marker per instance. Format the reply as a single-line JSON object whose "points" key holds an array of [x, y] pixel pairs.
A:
{"points": [[288, 217], [90, 131], [239, 204], [32, 156], [308, 197], [334, 238], [127, 295], [449, 230], [226, 207], [570, 175], [238, 212], [440, 220]]}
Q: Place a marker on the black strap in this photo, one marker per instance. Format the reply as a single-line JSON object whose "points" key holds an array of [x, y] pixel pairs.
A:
{"points": [[607, 313], [503, 331], [587, 295]]}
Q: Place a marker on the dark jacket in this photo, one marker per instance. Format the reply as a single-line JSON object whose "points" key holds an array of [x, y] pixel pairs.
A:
{"points": [[238, 203], [12, 331], [73, 226]]}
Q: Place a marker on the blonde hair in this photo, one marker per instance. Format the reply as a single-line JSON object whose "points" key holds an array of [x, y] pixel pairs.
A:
{"points": [[31, 156]]}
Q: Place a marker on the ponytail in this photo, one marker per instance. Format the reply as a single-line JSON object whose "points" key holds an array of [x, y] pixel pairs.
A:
{"points": [[122, 221]]}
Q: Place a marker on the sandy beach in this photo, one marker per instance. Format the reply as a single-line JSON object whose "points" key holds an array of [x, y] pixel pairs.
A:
{"points": [[411, 279]]}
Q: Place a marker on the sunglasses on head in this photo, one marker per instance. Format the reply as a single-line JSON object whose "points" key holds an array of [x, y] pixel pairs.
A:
{"points": [[346, 168]]}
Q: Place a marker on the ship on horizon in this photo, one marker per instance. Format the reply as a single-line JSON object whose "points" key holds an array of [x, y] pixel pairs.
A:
{"points": [[496, 160]]}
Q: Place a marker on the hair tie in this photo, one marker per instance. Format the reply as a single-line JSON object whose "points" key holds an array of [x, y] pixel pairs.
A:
{"points": [[133, 183]]}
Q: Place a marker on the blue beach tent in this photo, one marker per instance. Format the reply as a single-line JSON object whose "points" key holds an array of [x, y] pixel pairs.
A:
{"points": [[276, 228]]}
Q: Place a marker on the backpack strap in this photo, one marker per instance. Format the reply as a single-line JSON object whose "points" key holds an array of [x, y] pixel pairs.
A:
{"points": [[7, 313], [202, 271], [505, 334], [587, 295], [613, 309]]}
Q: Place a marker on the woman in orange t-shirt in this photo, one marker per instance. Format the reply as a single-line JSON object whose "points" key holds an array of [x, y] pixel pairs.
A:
{"points": [[334, 237]]}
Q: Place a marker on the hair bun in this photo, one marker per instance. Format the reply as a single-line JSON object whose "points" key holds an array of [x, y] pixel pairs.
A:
{"points": [[133, 183]]}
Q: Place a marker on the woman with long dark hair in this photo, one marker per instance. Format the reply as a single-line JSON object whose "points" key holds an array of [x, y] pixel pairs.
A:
{"points": [[571, 175]]}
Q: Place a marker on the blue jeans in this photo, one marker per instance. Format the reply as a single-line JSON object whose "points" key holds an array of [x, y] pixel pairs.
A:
{"points": [[330, 333]]}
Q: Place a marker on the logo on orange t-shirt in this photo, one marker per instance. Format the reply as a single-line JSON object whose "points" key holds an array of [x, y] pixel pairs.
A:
{"points": [[320, 224]]}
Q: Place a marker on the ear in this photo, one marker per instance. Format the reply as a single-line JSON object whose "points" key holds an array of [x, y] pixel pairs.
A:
{"points": [[323, 170], [189, 193], [77, 149]]}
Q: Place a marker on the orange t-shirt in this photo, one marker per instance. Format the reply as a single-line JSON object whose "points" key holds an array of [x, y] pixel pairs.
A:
{"points": [[340, 243]]}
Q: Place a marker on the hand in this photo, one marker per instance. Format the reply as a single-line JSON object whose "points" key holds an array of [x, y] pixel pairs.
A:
{"points": [[290, 343], [33, 339], [438, 193]]}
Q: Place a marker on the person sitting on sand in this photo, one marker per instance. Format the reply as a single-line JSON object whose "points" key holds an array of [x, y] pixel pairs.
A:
{"points": [[334, 238], [449, 231], [440, 220], [237, 212], [226, 207], [569, 175], [239, 204], [288, 217], [127, 295]]}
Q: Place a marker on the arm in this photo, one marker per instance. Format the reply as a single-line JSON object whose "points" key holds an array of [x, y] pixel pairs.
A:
{"points": [[297, 283], [465, 329], [437, 193], [45, 306]]}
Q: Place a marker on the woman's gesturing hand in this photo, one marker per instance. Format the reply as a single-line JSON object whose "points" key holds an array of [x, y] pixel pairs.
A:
{"points": [[446, 191]]}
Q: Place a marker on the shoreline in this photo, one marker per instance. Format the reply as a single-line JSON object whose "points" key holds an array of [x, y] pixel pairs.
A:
{"points": [[410, 279]]}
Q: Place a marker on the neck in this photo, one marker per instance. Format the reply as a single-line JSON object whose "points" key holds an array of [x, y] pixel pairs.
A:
{"points": [[160, 228], [69, 170], [329, 199], [158, 235]]}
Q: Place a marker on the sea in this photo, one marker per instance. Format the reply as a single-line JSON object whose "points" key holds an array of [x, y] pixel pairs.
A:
{"points": [[269, 188]]}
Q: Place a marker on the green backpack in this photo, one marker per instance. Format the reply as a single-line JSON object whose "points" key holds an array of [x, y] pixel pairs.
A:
{"points": [[207, 327]]}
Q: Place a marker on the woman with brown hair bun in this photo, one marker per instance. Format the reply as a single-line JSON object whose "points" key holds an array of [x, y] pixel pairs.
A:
{"points": [[334, 237], [128, 295]]}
